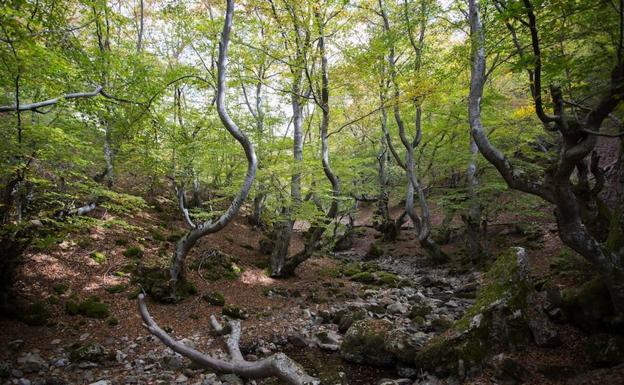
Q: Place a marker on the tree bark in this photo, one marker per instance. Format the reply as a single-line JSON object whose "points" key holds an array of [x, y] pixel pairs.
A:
{"points": [[285, 227], [472, 219], [557, 187], [422, 223], [278, 365], [185, 243]]}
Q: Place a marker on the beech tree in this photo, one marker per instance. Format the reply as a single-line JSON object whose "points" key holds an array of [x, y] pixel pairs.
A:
{"points": [[585, 222], [184, 244]]}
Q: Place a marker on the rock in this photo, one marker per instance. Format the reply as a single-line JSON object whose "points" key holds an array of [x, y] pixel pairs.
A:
{"points": [[589, 307], [497, 322], [300, 340], [365, 343], [397, 308], [181, 379], [235, 312], [427, 379], [23, 381], [344, 318], [544, 332], [172, 362], [55, 341], [101, 382], [91, 307], [32, 362], [232, 379], [92, 352], [214, 298], [441, 324], [605, 350], [508, 370], [419, 310]]}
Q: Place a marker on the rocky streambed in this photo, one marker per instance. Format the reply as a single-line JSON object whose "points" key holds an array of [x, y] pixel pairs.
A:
{"points": [[367, 336]]}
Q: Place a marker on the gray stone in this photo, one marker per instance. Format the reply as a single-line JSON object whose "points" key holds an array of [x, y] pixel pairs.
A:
{"points": [[172, 362], [32, 362], [101, 382], [397, 308], [232, 379]]}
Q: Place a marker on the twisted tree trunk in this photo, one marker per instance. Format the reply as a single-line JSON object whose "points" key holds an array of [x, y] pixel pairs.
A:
{"points": [[578, 142], [422, 223], [185, 243]]}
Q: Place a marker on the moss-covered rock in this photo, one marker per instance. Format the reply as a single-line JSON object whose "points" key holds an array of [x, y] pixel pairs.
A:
{"points": [[589, 307], [214, 298], [365, 343], [497, 321], [234, 312], [215, 265], [91, 352], [157, 283], [91, 307]]}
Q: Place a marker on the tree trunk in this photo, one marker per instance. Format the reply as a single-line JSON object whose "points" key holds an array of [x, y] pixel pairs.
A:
{"points": [[578, 141], [285, 227], [177, 270], [472, 220]]}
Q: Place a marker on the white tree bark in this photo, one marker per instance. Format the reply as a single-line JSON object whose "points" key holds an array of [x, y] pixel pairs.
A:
{"points": [[278, 365], [189, 239]]}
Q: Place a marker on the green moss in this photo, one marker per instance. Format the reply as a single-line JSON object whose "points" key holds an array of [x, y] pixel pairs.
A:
{"points": [[351, 269], [112, 321], [133, 252], [375, 251], [116, 288], [386, 278], [214, 298], [364, 277], [233, 311], [217, 265], [60, 288], [53, 299], [91, 307], [497, 321]]}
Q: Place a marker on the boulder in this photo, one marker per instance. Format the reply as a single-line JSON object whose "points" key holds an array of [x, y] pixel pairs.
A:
{"points": [[365, 343], [91, 352], [497, 321], [589, 307]]}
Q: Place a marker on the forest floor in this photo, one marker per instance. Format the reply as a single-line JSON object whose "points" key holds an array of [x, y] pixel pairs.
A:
{"points": [[280, 310]]}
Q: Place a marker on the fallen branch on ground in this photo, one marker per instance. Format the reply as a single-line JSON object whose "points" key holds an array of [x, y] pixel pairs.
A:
{"points": [[278, 365]]}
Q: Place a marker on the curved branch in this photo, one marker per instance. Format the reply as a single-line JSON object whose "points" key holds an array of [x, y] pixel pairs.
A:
{"points": [[186, 242], [278, 365]]}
